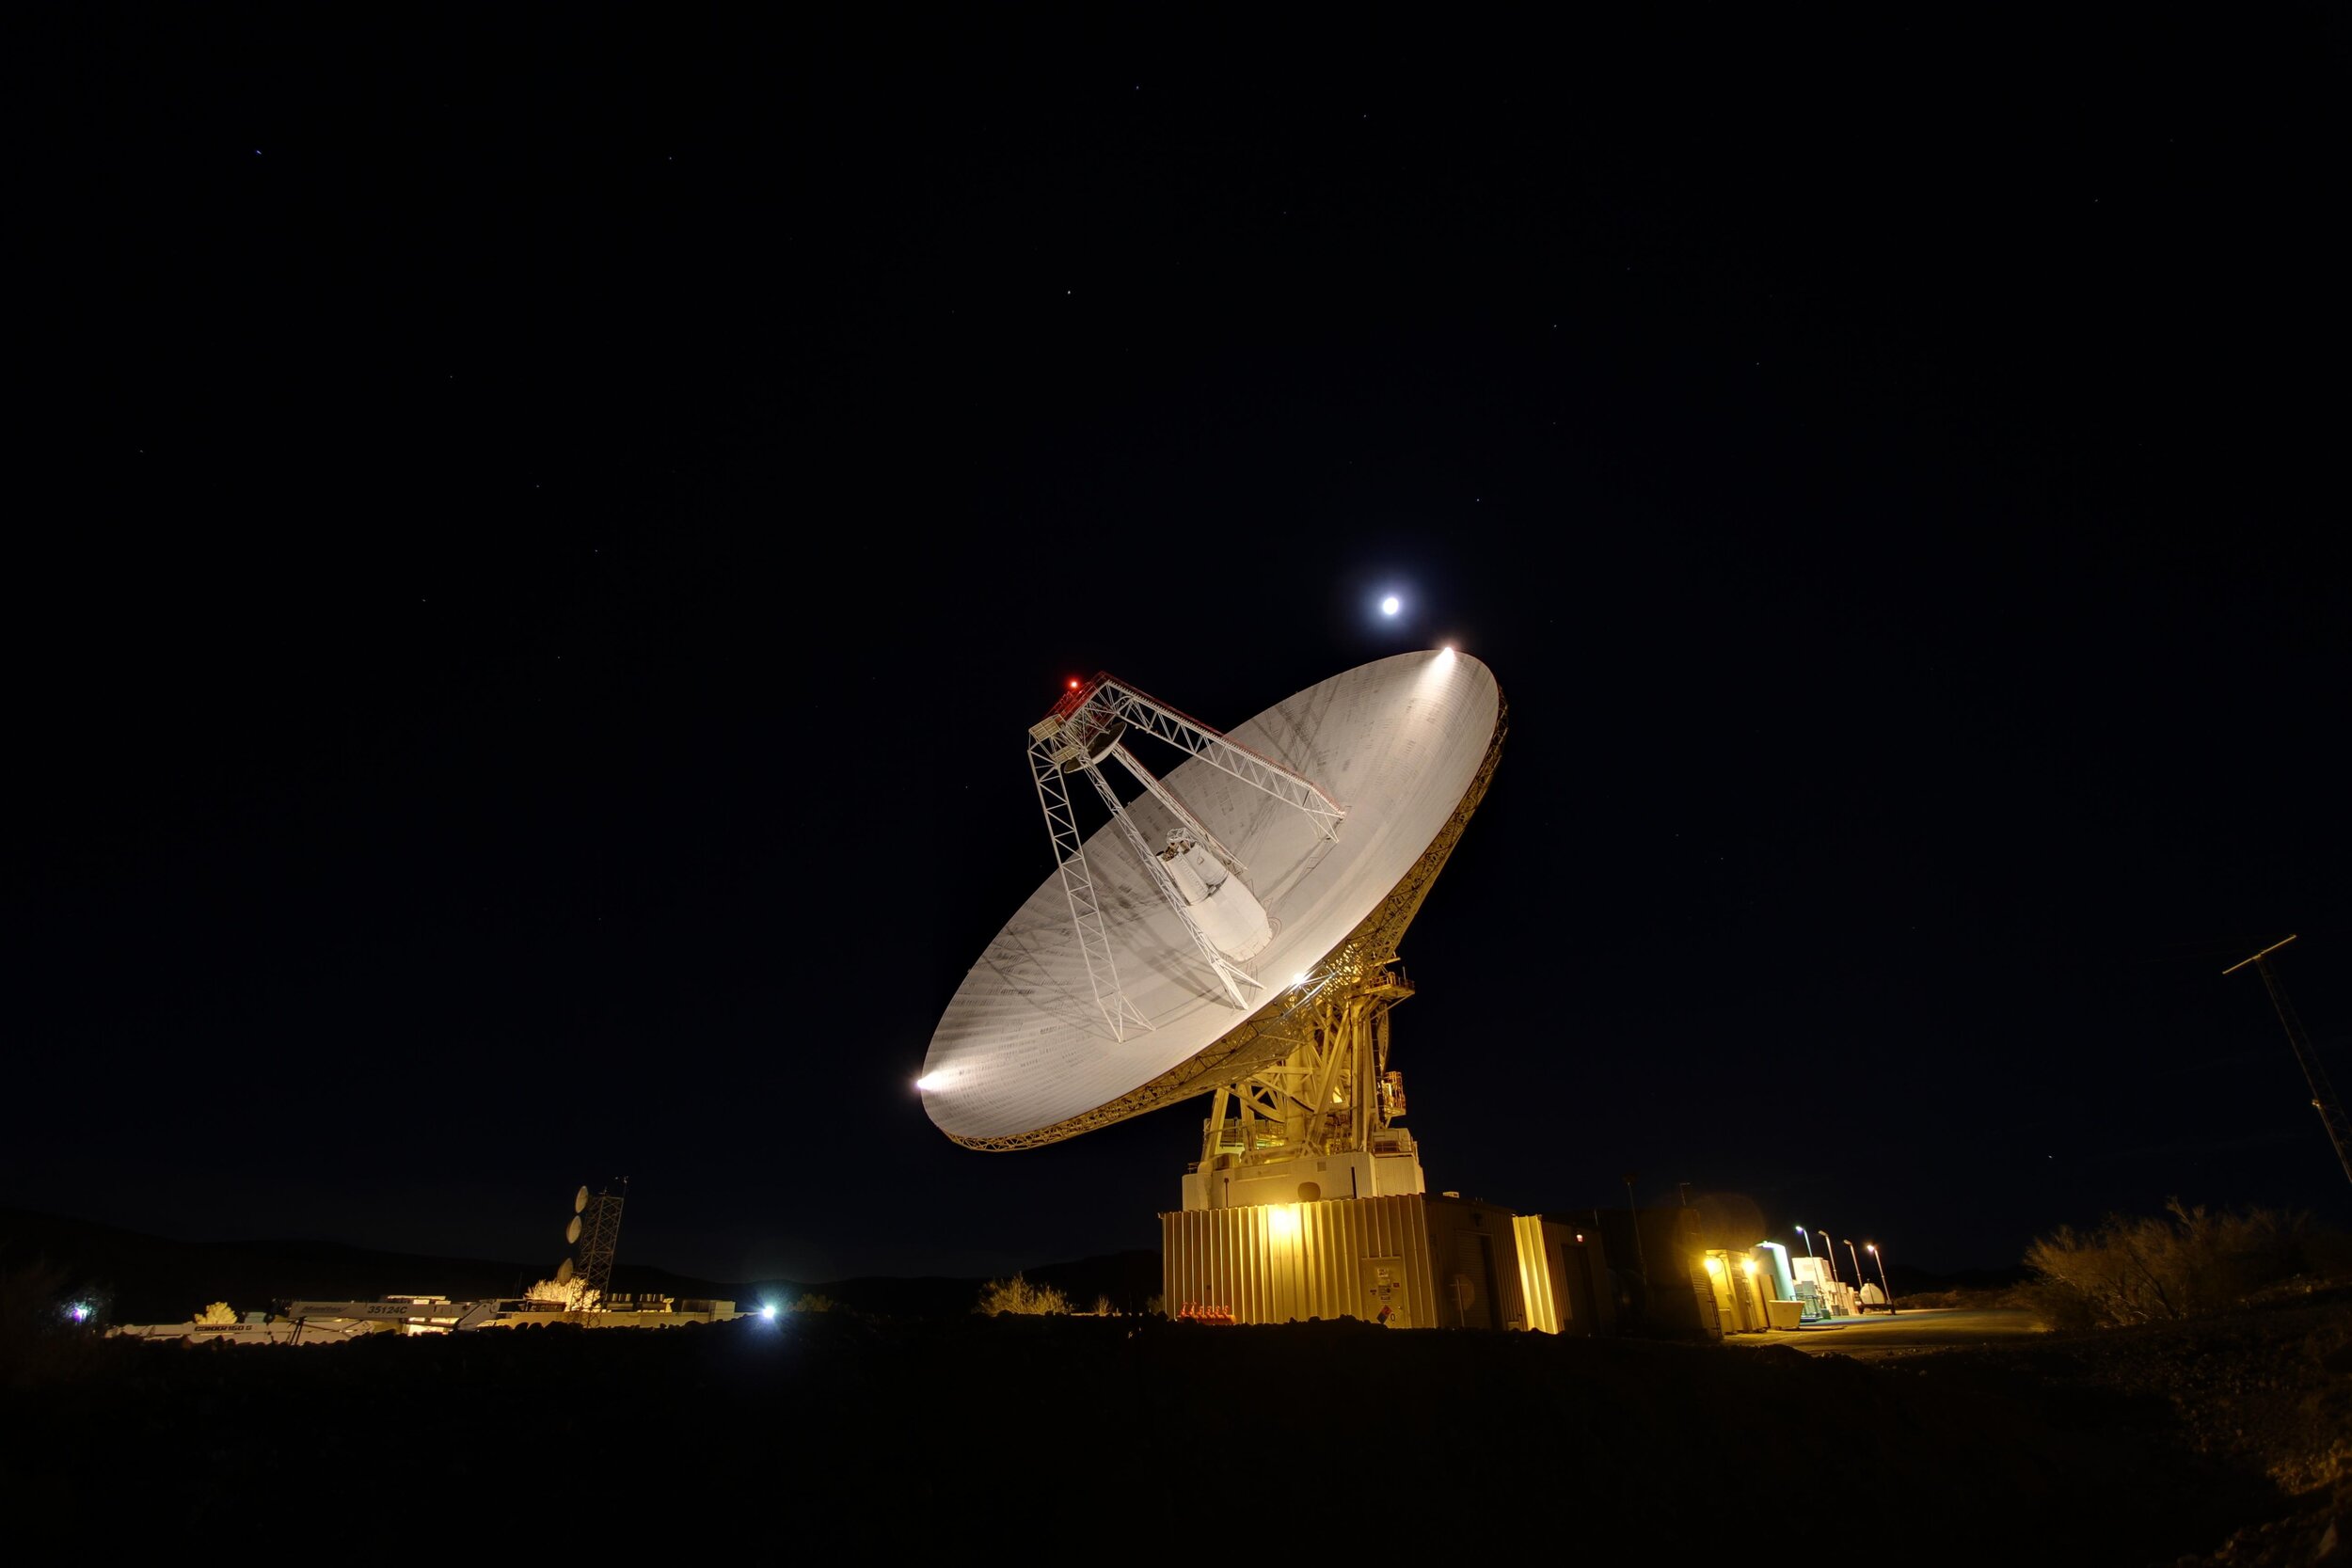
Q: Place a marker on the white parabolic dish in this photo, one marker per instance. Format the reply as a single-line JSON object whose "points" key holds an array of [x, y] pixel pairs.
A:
{"points": [[1023, 1055]]}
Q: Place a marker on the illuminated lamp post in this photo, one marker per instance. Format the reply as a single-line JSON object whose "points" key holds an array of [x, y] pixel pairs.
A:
{"points": [[1857, 1268], [1829, 1251], [1882, 1262], [1808, 1241]]}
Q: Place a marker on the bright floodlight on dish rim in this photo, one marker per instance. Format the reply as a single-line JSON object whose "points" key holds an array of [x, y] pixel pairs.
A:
{"points": [[1173, 947]]}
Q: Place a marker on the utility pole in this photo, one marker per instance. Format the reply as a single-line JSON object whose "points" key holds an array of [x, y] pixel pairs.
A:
{"points": [[1635, 1215], [2323, 1093]]}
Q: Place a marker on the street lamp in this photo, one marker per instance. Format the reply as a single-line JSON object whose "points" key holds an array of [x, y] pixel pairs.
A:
{"points": [[1822, 1308], [1857, 1265], [1882, 1262], [1829, 1246]]}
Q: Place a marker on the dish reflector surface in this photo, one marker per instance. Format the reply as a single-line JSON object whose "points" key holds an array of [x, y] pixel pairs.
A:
{"points": [[1023, 1051]]}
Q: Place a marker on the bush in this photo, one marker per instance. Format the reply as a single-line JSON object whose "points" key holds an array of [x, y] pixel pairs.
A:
{"points": [[2183, 1264], [1018, 1295]]}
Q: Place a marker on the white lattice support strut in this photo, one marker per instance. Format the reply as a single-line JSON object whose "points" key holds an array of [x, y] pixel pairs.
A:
{"points": [[1226, 971], [1177, 808], [1077, 883], [1183, 731]]}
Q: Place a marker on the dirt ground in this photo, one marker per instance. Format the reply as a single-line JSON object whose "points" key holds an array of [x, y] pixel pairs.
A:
{"points": [[2267, 1390], [2222, 1444]]}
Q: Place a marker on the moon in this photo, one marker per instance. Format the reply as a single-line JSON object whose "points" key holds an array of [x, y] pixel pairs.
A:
{"points": [[1390, 605]]}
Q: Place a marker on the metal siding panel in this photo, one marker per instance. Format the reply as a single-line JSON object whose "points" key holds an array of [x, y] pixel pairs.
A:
{"points": [[1234, 1258], [1543, 1309], [1510, 1278]]}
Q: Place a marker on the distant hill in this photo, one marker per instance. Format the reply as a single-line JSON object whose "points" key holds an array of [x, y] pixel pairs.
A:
{"points": [[1970, 1279], [154, 1279], [157, 1280], [142, 1278]]}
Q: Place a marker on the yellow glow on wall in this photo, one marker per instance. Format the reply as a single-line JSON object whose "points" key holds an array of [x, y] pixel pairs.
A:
{"points": [[1281, 1222]]}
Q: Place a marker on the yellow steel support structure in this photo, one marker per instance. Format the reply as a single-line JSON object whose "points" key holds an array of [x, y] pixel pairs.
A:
{"points": [[1332, 1093]]}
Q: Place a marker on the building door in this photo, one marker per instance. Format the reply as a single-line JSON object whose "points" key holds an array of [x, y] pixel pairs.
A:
{"points": [[1472, 1284]]}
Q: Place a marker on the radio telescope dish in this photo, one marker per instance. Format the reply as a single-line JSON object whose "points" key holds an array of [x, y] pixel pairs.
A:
{"points": [[1133, 976], [571, 1231], [580, 1201]]}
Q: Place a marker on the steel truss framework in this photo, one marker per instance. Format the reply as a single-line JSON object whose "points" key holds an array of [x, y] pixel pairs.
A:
{"points": [[1233, 975], [1085, 730], [600, 1235], [1333, 1094], [1285, 1023]]}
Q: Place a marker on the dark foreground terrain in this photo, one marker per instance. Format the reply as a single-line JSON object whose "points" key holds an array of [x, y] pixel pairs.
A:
{"points": [[1057, 1438]]}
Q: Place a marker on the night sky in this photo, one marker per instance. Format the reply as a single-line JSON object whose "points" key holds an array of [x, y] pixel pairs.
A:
{"points": [[545, 531]]}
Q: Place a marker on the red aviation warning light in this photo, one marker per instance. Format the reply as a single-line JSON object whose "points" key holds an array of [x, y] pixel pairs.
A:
{"points": [[1075, 695]]}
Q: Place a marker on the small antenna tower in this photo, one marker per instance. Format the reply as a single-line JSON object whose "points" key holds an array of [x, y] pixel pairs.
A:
{"points": [[2323, 1093], [596, 1227]]}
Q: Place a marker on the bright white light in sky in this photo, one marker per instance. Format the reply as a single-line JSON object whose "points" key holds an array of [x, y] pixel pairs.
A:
{"points": [[1390, 605]]}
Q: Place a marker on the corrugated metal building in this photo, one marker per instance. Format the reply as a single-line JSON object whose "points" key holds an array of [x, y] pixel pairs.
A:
{"points": [[1409, 1261], [1663, 1252]]}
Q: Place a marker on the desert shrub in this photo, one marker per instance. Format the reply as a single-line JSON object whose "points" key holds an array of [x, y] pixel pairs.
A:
{"points": [[2061, 1305], [1018, 1295], [2185, 1262]]}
